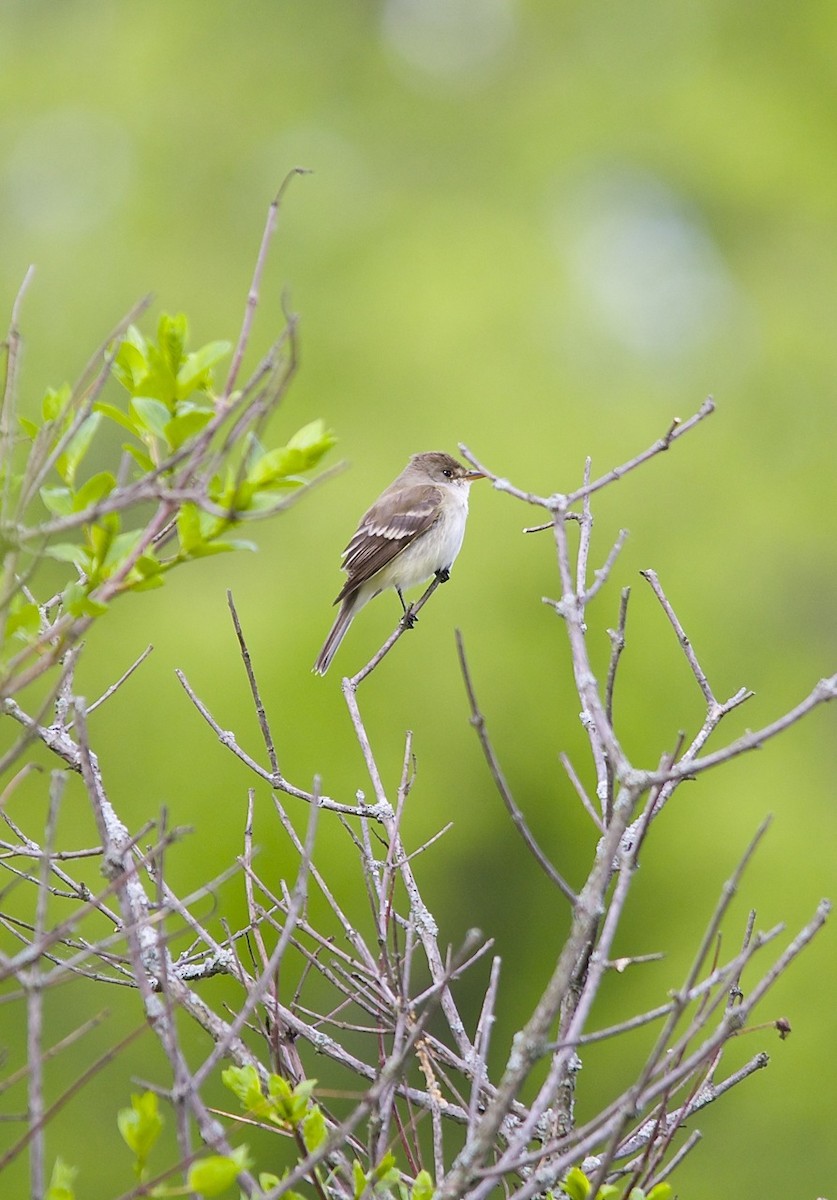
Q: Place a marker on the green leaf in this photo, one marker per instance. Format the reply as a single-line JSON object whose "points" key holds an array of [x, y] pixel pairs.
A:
{"points": [[59, 500], [221, 546], [142, 459], [275, 465], [576, 1184], [117, 415], [69, 552], [196, 371], [24, 619], [78, 604], [281, 1095], [54, 402], [661, 1191], [358, 1179], [148, 565], [244, 1083], [172, 335], [130, 365], [68, 463], [141, 1126], [303, 451], [94, 490], [189, 528], [304, 1090], [267, 1181], [100, 536], [152, 414], [314, 1128], [61, 1182], [215, 1174], [268, 500], [142, 583], [313, 438], [122, 546], [185, 425], [292, 1106], [30, 428], [423, 1188], [386, 1172]]}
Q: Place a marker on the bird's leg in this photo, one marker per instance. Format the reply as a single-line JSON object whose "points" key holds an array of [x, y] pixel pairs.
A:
{"points": [[409, 619], [443, 574]]}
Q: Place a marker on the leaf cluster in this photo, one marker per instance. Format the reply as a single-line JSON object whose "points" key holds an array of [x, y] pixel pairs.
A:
{"points": [[576, 1186], [190, 469], [291, 1109]]}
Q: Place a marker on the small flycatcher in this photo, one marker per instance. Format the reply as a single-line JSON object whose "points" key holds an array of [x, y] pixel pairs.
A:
{"points": [[413, 531]]}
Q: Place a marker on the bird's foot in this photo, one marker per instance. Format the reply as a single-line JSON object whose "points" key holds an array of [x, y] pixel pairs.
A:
{"points": [[410, 618], [443, 574]]}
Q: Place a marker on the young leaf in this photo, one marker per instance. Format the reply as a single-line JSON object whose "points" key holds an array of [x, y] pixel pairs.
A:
{"points": [[314, 1129], [59, 500], [153, 416], [100, 536], [185, 425], [313, 436], [281, 1095], [269, 500], [30, 428], [221, 546], [61, 1182], [195, 374], [244, 1083], [147, 565], [576, 1184], [77, 603], [142, 459], [215, 1174], [23, 620], [172, 335], [94, 490], [140, 1126], [189, 528], [117, 415], [304, 1090], [146, 583], [54, 402], [423, 1188], [131, 365], [386, 1172], [273, 466], [79, 556], [68, 463]]}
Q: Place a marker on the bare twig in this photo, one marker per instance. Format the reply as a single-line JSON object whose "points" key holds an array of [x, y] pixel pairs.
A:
{"points": [[114, 687], [254, 688], [253, 294], [478, 722]]}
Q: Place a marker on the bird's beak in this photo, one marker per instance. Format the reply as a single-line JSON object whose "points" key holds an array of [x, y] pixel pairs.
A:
{"points": [[472, 475]]}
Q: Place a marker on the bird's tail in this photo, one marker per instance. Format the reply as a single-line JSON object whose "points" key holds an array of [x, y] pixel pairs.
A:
{"points": [[338, 632]]}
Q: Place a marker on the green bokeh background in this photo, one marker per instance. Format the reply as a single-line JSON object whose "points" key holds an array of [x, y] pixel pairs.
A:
{"points": [[544, 230]]}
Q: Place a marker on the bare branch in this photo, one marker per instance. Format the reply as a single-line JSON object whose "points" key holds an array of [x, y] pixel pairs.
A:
{"points": [[478, 722], [253, 294]]}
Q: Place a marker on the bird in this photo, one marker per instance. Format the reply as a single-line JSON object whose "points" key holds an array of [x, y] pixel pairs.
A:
{"points": [[413, 531]]}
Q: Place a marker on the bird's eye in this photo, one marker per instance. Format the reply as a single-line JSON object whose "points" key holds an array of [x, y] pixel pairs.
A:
{"points": [[448, 474]]}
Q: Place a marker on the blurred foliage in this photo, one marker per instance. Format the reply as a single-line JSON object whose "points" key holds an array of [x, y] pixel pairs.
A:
{"points": [[543, 230]]}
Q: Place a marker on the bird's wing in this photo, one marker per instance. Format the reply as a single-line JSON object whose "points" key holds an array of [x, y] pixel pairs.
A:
{"points": [[387, 529]]}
